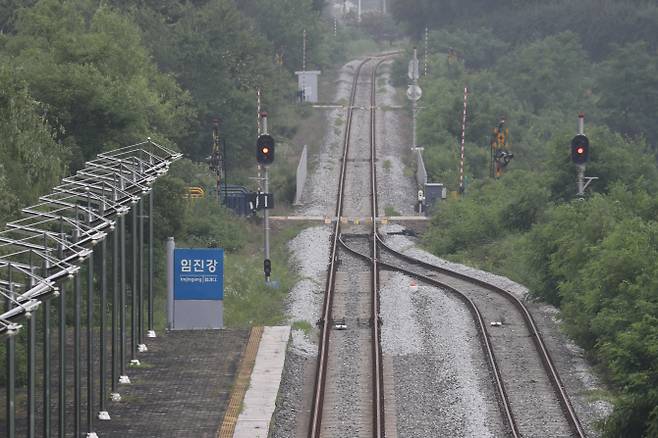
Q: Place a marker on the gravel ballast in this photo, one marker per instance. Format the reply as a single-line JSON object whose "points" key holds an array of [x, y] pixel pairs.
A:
{"points": [[440, 381], [579, 379]]}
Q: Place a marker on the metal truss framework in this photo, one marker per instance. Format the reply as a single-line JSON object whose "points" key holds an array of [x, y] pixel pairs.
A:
{"points": [[43, 252], [52, 239]]}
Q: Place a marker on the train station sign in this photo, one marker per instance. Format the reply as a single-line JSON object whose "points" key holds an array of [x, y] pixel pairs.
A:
{"points": [[196, 287], [199, 274]]}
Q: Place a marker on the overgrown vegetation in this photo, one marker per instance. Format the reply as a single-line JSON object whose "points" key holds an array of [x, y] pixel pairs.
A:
{"points": [[538, 64]]}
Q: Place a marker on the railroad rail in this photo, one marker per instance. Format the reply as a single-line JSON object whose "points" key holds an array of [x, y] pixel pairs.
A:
{"points": [[542, 351], [326, 319]]}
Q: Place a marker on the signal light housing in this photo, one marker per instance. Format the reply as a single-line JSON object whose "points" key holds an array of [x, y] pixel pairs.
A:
{"points": [[265, 149], [580, 149]]}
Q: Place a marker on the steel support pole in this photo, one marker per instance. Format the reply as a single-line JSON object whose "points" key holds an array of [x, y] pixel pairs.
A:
{"points": [[46, 369], [414, 112], [133, 291], [46, 351], [62, 352], [31, 373], [266, 220], [103, 311], [580, 180], [170, 248], [77, 396], [151, 332], [123, 378], [140, 277], [10, 416], [90, 344], [115, 311]]}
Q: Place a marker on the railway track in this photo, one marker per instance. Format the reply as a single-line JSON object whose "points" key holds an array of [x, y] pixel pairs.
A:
{"points": [[354, 327], [533, 402], [530, 394]]}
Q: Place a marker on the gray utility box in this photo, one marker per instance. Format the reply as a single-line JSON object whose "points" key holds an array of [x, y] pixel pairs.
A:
{"points": [[307, 85], [434, 192]]}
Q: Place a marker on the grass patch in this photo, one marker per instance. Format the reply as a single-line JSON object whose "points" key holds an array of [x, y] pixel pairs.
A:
{"points": [[304, 326], [600, 394], [248, 300], [390, 211], [387, 165]]}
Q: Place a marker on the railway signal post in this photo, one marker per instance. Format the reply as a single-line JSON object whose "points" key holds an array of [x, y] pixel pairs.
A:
{"points": [[500, 149], [580, 156], [265, 157]]}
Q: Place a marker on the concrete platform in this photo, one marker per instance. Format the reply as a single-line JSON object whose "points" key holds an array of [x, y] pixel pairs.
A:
{"points": [[260, 399], [182, 388]]}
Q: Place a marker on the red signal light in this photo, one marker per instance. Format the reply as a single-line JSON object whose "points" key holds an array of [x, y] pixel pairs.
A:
{"points": [[265, 150], [580, 149]]}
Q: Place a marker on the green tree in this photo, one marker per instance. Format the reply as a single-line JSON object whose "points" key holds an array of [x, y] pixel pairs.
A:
{"points": [[627, 83], [548, 72], [221, 58], [32, 160], [89, 65]]}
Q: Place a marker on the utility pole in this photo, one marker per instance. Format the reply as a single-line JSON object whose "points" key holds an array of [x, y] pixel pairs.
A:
{"points": [[461, 159], [384, 7], [427, 48], [414, 93], [304, 50], [303, 75], [358, 13], [258, 110]]}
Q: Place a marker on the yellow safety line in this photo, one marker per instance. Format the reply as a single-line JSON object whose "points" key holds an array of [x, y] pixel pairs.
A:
{"points": [[227, 428]]}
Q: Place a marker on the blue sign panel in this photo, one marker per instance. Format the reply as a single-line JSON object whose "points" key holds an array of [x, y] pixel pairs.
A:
{"points": [[199, 274]]}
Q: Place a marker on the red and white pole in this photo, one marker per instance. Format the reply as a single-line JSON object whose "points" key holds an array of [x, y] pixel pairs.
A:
{"points": [[461, 159], [258, 110]]}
